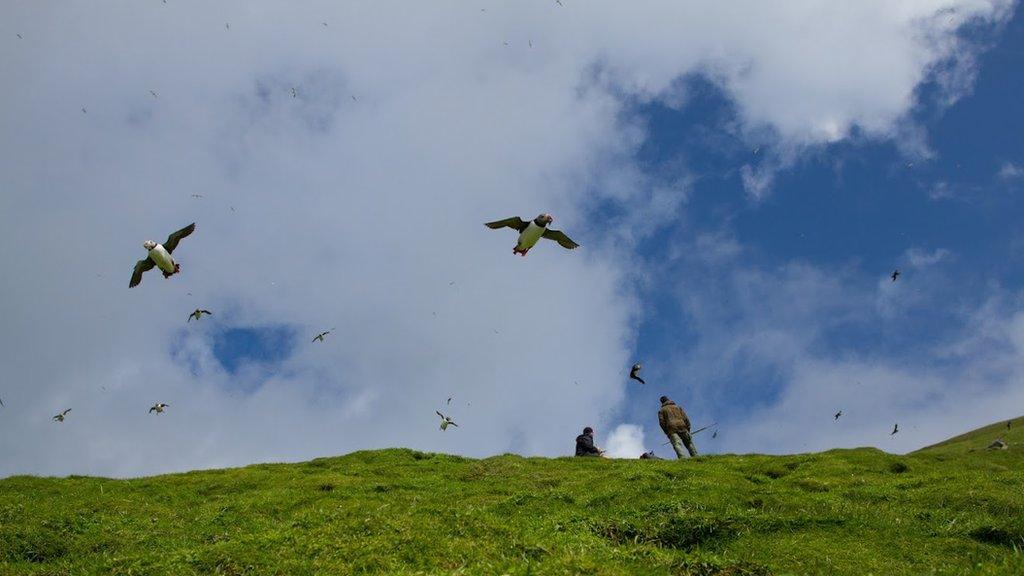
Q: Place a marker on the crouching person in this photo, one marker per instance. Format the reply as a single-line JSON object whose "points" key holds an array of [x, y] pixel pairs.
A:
{"points": [[585, 444], [676, 426]]}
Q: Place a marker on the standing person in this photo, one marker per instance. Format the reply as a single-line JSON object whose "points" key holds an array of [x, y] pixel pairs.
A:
{"points": [[676, 426], [585, 444]]}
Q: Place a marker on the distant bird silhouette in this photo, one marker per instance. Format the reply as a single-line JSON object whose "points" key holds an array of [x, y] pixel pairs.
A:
{"points": [[154, 94], [559, 2], [84, 111], [60, 417], [838, 414], [19, 36], [324, 23], [895, 275], [895, 429], [530, 43], [1, 401], [197, 195], [354, 99], [634, 373], [714, 434], [227, 26], [158, 408], [198, 313], [445, 421], [321, 335], [294, 92], [450, 400]]}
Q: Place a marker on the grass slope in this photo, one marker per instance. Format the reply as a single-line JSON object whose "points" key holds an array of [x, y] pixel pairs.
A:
{"points": [[980, 438], [403, 512]]}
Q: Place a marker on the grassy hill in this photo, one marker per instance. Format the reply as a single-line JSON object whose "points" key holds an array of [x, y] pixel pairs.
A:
{"points": [[979, 439], [944, 510]]}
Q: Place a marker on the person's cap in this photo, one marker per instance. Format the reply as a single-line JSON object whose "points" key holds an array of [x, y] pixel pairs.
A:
{"points": [[588, 430], [664, 399]]}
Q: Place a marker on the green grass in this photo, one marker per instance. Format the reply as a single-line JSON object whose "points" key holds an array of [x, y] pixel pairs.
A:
{"points": [[944, 510]]}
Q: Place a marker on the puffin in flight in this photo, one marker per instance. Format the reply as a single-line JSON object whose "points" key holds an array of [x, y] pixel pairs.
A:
{"points": [[634, 373], [60, 417], [160, 256], [198, 314], [446, 421], [532, 231], [158, 408]]}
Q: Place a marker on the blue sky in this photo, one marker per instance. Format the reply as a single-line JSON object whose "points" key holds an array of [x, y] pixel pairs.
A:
{"points": [[742, 194]]}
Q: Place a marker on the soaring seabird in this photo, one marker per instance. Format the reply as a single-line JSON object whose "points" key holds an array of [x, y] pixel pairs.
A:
{"points": [[838, 414], [321, 335], [532, 231], [635, 371], [60, 417], [445, 421], [158, 408], [160, 255], [895, 429], [895, 274], [198, 314]]}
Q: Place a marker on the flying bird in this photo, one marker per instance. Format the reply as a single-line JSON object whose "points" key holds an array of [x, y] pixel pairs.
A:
{"points": [[450, 400], [160, 255], [197, 195], [84, 111], [531, 43], [895, 274], [321, 335], [714, 434], [1, 401], [19, 36], [838, 414], [198, 313], [445, 421], [294, 92], [634, 373], [559, 2], [895, 429], [158, 408], [227, 26], [152, 93], [532, 231], [354, 98], [60, 417], [324, 23]]}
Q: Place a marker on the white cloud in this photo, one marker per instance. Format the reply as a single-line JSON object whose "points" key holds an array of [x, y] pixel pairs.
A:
{"points": [[920, 258], [327, 210], [1010, 171], [625, 441]]}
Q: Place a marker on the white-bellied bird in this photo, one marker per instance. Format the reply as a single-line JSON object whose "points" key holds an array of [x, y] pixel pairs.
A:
{"points": [[198, 313], [446, 421], [160, 256], [60, 417], [531, 232], [158, 408]]}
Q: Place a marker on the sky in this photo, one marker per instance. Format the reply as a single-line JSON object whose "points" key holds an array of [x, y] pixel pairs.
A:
{"points": [[743, 178]]}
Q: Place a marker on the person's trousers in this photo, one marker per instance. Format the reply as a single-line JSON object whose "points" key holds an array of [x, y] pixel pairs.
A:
{"points": [[680, 439]]}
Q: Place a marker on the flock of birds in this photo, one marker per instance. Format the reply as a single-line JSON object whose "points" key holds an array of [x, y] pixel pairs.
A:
{"points": [[530, 233], [161, 256]]}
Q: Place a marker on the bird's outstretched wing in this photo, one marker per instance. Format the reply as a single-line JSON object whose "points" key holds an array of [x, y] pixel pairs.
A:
{"points": [[141, 266], [173, 239], [453, 423], [151, 408], [65, 413], [516, 223], [561, 238], [438, 412]]}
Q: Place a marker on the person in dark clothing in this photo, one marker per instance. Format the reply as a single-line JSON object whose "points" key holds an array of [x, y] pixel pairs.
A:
{"points": [[676, 425], [650, 456], [585, 444]]}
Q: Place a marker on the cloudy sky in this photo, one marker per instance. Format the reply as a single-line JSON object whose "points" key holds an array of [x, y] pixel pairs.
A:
{"points": [[743, 178]]}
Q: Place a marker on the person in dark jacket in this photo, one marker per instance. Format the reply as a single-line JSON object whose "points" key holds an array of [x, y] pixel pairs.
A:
{"points": [[585, 444], [676, 425]]}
